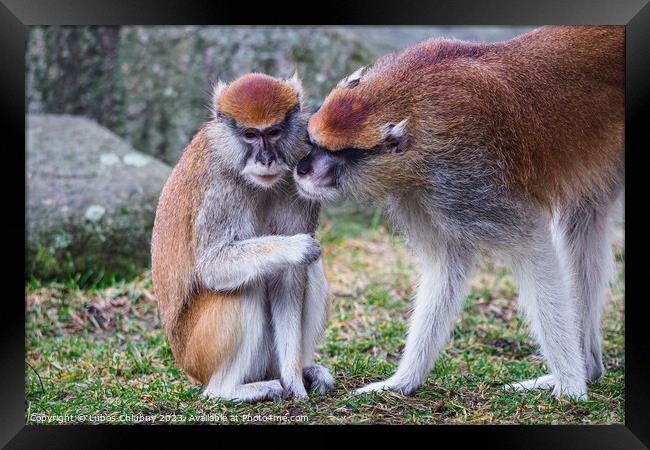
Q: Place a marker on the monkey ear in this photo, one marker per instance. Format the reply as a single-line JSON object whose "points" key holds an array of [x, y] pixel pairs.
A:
{"points": [[217, 91], [395, 137], [296, 84], [352, 80]]}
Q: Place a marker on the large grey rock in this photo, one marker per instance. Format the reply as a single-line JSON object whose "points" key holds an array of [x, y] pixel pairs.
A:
{"points": [[91, 199]]}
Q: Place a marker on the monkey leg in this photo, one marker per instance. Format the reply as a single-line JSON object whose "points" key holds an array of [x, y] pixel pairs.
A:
{"points": [[582, 241], [244, 358], [315, 312], [544, 295], [438, 302], [208, 333], [589, 255], [286, 293]]}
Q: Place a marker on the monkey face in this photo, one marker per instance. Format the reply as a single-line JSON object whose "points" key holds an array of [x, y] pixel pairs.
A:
{"points": [[264, 155], [266, 160], [264, 126], [365, 173]]}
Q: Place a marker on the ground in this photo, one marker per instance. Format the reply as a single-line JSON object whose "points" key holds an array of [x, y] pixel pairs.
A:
{"points": [[96, 351]]}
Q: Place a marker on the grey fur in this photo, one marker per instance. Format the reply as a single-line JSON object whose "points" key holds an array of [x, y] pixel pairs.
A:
{"points": [[259, 242], [448, 224]]}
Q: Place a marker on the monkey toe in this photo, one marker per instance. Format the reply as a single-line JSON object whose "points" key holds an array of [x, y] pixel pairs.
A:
{"points": [[275, 391], [571, 392], [319, 380], [380, 386], [294, 391], [543, 382], [248, 393], [576, 391], [386, 385]]}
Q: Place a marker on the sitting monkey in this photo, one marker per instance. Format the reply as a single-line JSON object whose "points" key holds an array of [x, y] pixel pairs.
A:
{"points": [[236, 270]]}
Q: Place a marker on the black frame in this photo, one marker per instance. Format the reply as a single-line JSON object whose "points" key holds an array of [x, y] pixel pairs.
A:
{"points": [[15, 15]]}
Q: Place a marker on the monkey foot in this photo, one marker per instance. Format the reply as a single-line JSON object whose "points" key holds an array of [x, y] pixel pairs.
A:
{"points": [[294, 390], [248, 393], [319, 379], [576, 391], [387, 385], [543, 382]]}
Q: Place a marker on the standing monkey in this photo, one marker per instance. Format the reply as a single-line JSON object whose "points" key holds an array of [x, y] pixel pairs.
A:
{"points": [[482, 147], [237, 274]]}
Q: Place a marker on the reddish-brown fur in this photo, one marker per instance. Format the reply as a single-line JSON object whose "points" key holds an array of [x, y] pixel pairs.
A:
{"points": [[258, 100], [188, 313], [344, 121], [212, 326], [547, 106], [204, 328]]}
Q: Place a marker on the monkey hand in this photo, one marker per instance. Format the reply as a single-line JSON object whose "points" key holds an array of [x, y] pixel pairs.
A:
{"points": [[307, 249]]}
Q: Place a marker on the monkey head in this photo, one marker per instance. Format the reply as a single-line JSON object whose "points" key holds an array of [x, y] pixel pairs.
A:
{"points": [[261, 122], [359, 144]]}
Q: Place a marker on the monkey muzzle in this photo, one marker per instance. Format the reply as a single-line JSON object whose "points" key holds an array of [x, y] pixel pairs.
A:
{"points": [[264, 169], [265, 157], [319, 166], [316, 174]]}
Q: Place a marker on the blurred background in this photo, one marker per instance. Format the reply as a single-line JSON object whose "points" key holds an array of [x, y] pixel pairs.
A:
{"points": [[112, 108]]}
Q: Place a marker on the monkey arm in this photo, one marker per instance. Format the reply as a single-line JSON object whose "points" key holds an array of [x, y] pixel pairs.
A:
{"points": [[228, 266]]}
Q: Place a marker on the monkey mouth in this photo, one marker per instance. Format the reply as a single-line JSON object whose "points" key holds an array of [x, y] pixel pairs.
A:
{"points": [[265, 180], [264, 176], [308, 189]]}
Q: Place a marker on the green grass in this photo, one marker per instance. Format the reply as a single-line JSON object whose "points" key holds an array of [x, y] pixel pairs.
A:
{"points": [[96, 351]]}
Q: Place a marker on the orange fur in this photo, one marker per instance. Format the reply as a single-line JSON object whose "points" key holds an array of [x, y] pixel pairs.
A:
{"points": [[258, 100], [173, 257], [343, 121], [547, 106], [212, 330]]}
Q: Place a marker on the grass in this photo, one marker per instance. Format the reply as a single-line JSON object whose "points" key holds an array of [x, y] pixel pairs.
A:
{"points": [[96, 353]]}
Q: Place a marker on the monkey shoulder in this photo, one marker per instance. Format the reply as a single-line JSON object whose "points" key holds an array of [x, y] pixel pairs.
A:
{"points": [[226, 205]]}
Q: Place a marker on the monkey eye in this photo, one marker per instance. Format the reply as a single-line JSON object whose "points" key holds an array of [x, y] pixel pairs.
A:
{"points": [[250, 135], [274, 132]]}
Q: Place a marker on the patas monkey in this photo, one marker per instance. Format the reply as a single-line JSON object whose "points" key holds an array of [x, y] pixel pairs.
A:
{"points": [[236, 271], [483, 147]]}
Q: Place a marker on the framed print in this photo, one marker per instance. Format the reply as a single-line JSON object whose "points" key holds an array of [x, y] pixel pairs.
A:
{"points": [[384, 215]]}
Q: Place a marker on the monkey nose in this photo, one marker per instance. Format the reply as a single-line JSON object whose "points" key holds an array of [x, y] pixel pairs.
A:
{"points": [[265, 159], [304, 166]]}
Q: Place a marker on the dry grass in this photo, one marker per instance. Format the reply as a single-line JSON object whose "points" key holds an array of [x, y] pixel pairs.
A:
{"points": [[101, 352]]}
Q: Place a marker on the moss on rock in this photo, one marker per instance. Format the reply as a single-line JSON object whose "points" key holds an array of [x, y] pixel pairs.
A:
{"points": [[84, 216]]}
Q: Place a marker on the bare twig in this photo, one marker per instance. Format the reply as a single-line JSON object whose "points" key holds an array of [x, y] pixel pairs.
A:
{"points": [[37, 375]]}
